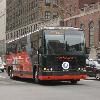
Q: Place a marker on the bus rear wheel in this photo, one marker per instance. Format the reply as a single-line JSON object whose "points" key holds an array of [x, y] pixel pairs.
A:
{"points": [[11, 73], [73, 82]]}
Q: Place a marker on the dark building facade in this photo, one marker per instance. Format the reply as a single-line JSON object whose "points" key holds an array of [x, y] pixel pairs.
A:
{"points": [[19, 13], [24, 16]]}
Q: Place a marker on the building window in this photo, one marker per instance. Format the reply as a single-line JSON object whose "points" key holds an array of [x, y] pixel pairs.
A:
{"points": [[36, 3], [6, 36], [66, 23], [61, 23], [25, 30], [47, 2], [31, 29], [55, 14], [47, 14], [35, 27], [19, 2], [21, 32], [11, 35], [55, 2], [91, 34], [82, 26], [17, 34]]}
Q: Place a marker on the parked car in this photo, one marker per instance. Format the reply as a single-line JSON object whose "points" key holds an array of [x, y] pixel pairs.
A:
{"points": [[97, 63], [1, 65], [93, 68]]}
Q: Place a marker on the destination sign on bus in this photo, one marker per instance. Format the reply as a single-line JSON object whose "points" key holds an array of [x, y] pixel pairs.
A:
{"points": [[54, 32]]}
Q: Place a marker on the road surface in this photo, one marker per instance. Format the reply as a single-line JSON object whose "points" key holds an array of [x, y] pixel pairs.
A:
{"points": [[26, 90]]}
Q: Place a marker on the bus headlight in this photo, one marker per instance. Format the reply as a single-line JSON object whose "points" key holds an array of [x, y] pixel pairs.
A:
{"points": [[51, 69], [48, 69], [81, 69], [44, 69]]}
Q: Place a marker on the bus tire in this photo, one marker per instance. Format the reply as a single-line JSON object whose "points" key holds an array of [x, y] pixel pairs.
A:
{"points": [[73, 82], [11, 74], [8, 71], [97, 76], [36, 79]]}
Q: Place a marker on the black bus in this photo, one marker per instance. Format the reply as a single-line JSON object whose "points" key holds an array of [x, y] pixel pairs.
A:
{"points": [[52, 53]]}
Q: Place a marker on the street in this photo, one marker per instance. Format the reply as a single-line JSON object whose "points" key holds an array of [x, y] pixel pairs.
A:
{"points": [[26, 90]]}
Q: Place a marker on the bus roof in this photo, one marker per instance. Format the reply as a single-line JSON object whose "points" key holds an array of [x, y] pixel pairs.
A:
{"points": [[44, 28], [58, 27]]}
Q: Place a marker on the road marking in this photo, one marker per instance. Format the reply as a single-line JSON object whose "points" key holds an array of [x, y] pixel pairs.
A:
{"points": [[89, 80], [2, 77]]}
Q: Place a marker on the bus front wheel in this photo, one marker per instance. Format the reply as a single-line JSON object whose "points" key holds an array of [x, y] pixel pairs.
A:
{"points": [[98, 76], [36, 79]]}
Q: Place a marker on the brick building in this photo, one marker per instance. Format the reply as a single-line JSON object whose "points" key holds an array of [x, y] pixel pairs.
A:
{"points": [[72, 7], [87, 2], [87, 18]]}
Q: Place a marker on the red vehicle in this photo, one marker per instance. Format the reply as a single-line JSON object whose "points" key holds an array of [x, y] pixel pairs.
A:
{"points": [[52, 53]]}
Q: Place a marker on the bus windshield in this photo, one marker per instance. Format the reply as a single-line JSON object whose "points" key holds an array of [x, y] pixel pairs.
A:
{"points": [[55, 44], [74, 42], [64, 41]]}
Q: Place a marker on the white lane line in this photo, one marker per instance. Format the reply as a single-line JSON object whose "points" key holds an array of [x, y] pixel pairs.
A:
{"points": [[2, 77], [89, 80]]}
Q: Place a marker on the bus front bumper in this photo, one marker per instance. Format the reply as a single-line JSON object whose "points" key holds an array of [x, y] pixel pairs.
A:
{"points": [[62, 76]]}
